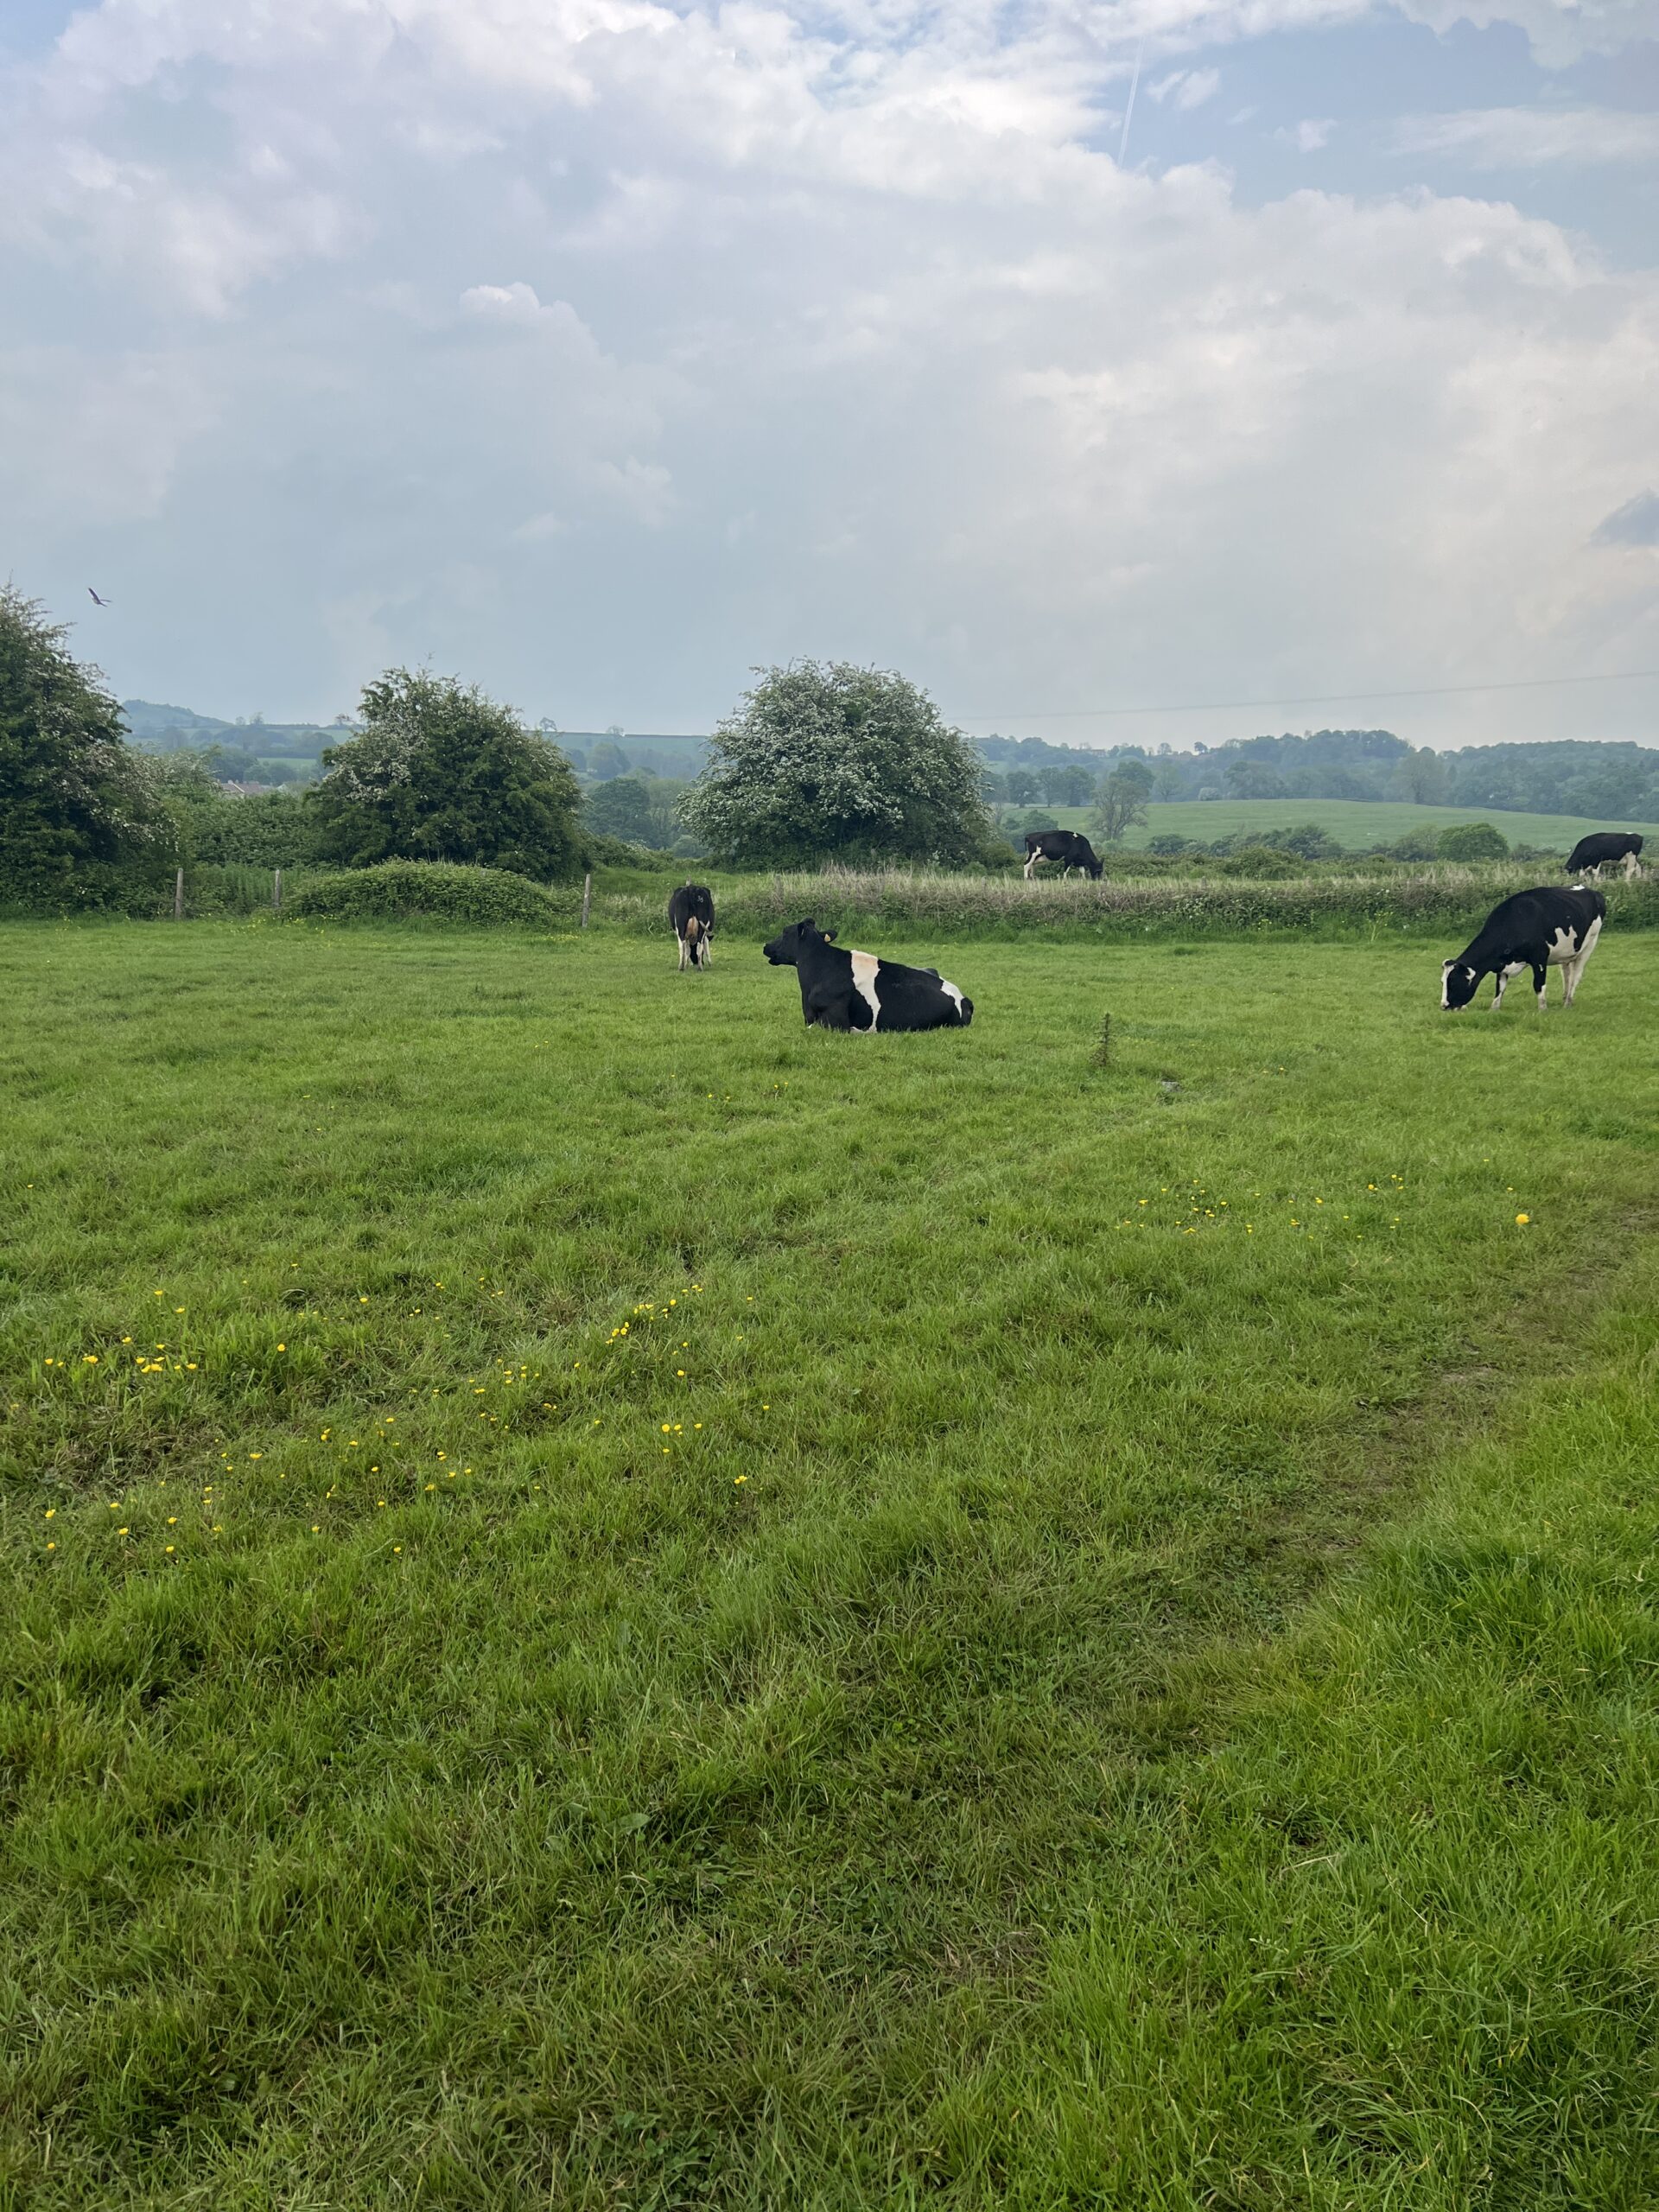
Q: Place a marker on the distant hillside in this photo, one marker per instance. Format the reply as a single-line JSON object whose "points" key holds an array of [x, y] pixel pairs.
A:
{"points": [[1357, 825], [1615, 785]]}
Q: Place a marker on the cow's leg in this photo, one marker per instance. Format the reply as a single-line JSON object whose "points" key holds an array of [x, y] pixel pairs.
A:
{"points": [[1632, 868], [1031, 861], [829, 1013], [1540, 979], [681, 954], [1497, 995], [1570, 978]]}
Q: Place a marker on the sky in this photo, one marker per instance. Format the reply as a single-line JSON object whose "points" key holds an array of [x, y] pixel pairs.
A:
{"points": [[1122, 370]]}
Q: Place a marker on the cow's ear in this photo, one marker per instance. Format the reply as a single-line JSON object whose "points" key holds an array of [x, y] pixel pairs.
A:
{"points": [[809, 924], [828, 936]]}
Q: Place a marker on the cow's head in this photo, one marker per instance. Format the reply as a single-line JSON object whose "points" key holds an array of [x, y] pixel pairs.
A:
{"points": [[785, 950], [1458, 982]]}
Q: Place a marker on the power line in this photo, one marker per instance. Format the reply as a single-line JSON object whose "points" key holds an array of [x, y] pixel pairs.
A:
{"points": [[1316, 698]]}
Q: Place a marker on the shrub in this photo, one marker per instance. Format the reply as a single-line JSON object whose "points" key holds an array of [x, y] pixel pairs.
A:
{"points": [[427, 890], [1472, 840], [1264, 863]]}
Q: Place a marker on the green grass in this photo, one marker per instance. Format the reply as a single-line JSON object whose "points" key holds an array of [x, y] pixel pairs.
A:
{"points": [[1140, 1689], [1359, 823]]}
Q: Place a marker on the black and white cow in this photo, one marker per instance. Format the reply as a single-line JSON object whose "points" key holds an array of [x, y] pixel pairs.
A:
{"points": [[1593, 854], [860, 990], [1540, 930], [1068, 846], [691, 913]]}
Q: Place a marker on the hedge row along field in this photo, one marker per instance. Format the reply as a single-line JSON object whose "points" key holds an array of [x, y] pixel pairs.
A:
{"points": [[1444, 898]]}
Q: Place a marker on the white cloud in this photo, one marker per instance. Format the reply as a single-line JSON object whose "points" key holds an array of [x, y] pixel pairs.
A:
{"points": [[1309, 137], [1519, 137], [1188, 88], [600, 348]]}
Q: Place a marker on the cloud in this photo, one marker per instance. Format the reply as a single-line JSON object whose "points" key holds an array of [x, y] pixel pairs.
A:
{"points": [[1522, 137], [1188, 88], [599, 348], [1636, 523], [1309, 137]]}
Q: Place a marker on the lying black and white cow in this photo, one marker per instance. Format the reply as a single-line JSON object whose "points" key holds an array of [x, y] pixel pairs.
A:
{"points": [[692, 912], [860, 990], [1068, 846], [1540, 930], [1593, 854]]}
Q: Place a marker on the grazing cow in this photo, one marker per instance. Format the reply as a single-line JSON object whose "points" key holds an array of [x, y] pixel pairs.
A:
{"points": [[692, 911], [1068, 846], [859, 990], [1540, 930], [1590, 854]]}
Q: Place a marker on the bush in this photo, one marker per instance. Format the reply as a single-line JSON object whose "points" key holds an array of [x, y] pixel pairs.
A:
{"points": [[1262, 863], [399, 891], [1472, 840]]}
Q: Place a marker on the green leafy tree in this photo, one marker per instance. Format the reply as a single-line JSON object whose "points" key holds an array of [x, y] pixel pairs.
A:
{"points": [[81, 821], [621, 808], [1421, 776], [1472, 840], [824, 761], [1121, 799], [607, 759], [1069, 784], [440, 773]]}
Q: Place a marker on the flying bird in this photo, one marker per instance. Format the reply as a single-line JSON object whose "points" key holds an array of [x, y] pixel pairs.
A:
{"points": [[97, 602]]}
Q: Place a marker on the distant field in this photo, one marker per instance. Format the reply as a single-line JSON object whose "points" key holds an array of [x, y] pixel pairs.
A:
{"points": [[765, 1622], [1358, 822]]}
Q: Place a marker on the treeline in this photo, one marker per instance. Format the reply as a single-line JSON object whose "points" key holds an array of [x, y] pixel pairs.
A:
{"points": [[1610, 781]]}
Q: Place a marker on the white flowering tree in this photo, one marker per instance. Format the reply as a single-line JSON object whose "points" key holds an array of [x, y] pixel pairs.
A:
{"points": [[824, 761]]}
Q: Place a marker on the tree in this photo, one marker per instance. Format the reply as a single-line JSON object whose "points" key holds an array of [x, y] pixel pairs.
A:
{"points": [[1420, 777], [443, 773], [826, 761], [81, 822], [1069, 784], [1022, 786], [620, 808], [607, 759], [1472, 840], [1121, 799]]}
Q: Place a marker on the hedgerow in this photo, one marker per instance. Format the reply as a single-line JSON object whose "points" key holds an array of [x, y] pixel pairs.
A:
{"points": [[1432, 898], [427, 890]]}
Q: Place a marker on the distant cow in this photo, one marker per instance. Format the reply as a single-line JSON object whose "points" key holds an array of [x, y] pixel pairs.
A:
{"points": [[1540, 930], [1590, 854], [859, 990], [692, 912], [1068, 846]]}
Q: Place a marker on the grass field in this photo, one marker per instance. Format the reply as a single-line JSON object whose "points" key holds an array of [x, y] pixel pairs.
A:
{"points": [[608, 1602], [1359, 823]]}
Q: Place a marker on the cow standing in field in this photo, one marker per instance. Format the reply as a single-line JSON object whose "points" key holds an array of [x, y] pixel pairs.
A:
{"points": [[860, 990], [691, 914], [1593, 854], [1540, 930], [1069, 847]]}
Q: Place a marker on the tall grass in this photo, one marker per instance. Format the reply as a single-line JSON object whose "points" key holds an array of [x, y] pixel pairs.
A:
{"points": [[1441, 896]]}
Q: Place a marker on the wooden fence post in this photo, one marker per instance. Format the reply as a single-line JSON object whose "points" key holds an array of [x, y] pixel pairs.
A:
{"points": [[277, 891], [178, 896], [586, 894]]}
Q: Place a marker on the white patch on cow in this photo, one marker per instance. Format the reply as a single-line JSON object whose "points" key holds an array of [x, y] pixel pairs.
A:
{"points": [[1031, 859], [953, 995], [1632, 867], [864, 967]]}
